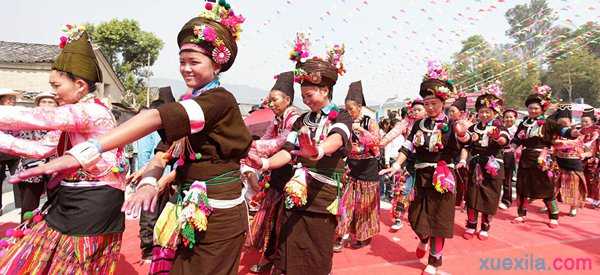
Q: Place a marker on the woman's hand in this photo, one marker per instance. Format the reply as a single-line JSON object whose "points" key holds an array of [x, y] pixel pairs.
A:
{"points": [[136, 176], [58, 168], [394, 169], [253, 161], [308, 148], [143, 199]]}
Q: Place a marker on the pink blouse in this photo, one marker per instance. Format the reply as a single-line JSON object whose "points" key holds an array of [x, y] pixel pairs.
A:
{"points": [[78, 122], [276, 134]]}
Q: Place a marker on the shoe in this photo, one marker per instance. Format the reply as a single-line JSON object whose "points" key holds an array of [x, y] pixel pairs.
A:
{"points": [[553, 223], [483, 235], [361, 244], [519, 220], [544, 209], [429, 270], [469, 233], [339, 245], [397, 225], [596, 204], [261, 268], [421, 250], [502, 206], [573, 212]]}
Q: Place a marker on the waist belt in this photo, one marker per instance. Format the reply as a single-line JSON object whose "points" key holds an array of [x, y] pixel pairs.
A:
{"points": [[226, 204], [84, 183], [322, 178], [423, 165]]}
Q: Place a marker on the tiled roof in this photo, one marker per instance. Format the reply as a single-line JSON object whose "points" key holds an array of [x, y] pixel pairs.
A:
{"points": [[17, 52]]}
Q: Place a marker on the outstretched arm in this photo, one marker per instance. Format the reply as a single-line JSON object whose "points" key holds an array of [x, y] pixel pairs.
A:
{"points": [[28, 148]]}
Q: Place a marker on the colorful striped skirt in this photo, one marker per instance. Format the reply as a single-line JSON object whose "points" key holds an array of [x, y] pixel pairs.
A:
{"points": [[572, 187], [404, 184], [360, 215], [264, 221], [47, 251], [591, 178]]}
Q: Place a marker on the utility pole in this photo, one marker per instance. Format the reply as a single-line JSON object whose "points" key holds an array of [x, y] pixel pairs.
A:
{"points": [[148, 83]]}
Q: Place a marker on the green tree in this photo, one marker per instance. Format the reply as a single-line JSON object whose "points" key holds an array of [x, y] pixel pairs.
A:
{"points": [[576, 75], [518, 82], [130, 50], [530, 26], [466, 68]]}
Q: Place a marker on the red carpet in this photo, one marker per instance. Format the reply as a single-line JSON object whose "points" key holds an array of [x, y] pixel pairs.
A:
{"points": [[572, 248]]}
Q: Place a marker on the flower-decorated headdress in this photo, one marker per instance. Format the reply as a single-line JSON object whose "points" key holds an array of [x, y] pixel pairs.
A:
{"points": [[436, 82], [316, 70], [491, 97], [214, 33], [409, 104], [77, 56], [563, 111], [541, 94]]}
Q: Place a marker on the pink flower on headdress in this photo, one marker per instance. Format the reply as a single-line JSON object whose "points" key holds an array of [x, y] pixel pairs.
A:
{"points": [[334, 56], [209, 34], [301, 48], [221, 55], [494, 89], [63, 41], [543, 90], [435, 70]]}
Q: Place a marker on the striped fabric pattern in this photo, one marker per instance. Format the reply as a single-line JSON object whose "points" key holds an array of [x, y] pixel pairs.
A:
{"points": [[47, 251], [361, 217]]}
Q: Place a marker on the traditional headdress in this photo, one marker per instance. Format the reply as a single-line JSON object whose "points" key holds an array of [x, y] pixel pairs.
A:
{"points": [[491, 97], [77, 56], [355, 93], [541, 95], [214, 33], [316, 70], [285, 83], [436, 82]]}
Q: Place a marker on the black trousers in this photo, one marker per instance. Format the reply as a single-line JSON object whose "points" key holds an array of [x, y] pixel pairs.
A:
{"points": [[147, 221], [11, 165], [30, 195], [509, 169]]}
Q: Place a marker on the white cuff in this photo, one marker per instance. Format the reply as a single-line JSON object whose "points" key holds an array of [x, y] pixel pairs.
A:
{"points": [[86, 153], [320, 152], [148, 181], [342, 127], [246, 168], [195, 114], [396, 166]]}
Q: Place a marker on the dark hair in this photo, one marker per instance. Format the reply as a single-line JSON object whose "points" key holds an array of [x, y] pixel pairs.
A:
{"points": [[394, 122], [384, 124], [91, 84]]}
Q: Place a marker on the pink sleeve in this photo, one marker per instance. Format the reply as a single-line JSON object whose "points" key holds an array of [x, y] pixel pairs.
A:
{"points": [[394, 133], [26, 148], [80, 117], [269, 146]]}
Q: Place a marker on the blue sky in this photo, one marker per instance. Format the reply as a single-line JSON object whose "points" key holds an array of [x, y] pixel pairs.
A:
{"points": [[387, 42]]}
